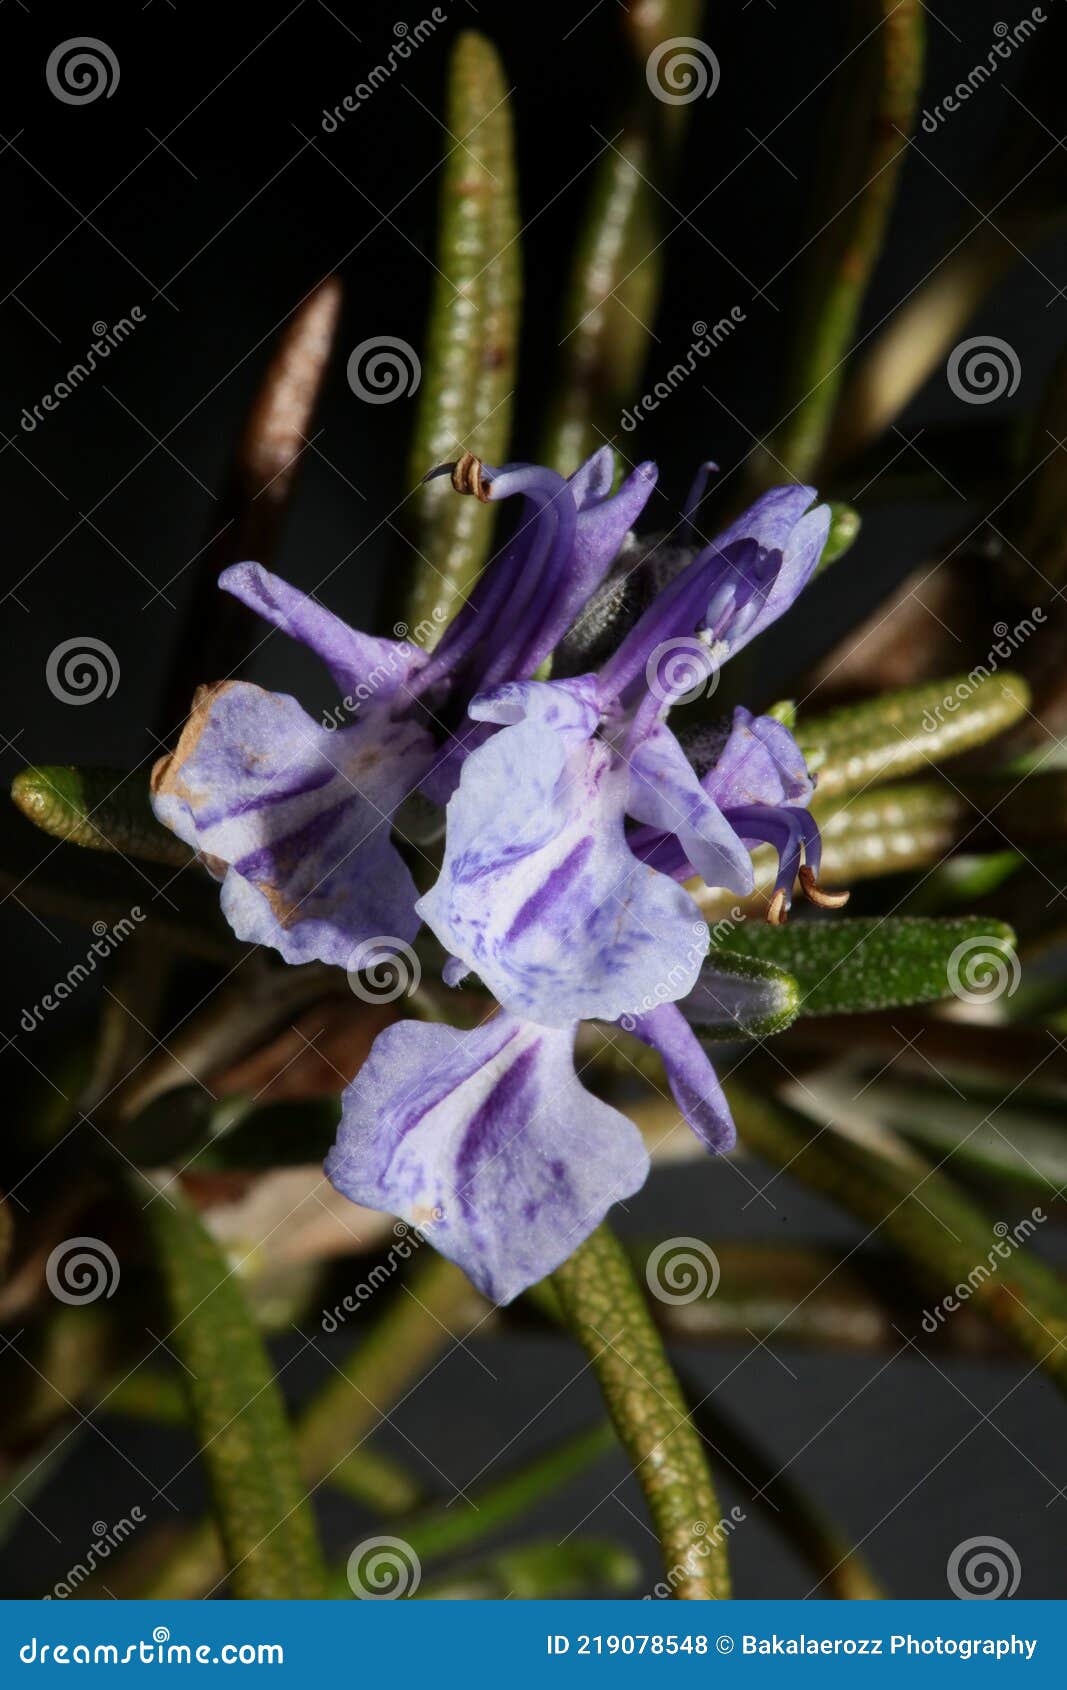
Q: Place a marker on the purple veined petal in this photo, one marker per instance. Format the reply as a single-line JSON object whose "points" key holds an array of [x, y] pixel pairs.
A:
{"points": [[542, 581], [571, 707], [666, 794], [509, 578], [540, 895], [488, 1143], [295, 820], [592, 480], [760, 763], [694, 498], [793, 832], [799, 561], [363, 666], [601, 529], [771, 520], [756, 584], [693, 1081]]}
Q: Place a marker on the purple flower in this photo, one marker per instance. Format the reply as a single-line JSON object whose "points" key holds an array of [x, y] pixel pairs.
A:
{"points": [[541, 892], [487, 1139], [297, 820]]}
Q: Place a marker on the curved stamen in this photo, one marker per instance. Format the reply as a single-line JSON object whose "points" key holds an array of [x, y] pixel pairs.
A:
{"points": [[467, 477], [776, 909], [795, 836], [817, 895], [509, 579]]}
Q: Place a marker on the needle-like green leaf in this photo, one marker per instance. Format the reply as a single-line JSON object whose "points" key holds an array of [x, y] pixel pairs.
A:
{"points": [[468, 374], [742, 995], [842, 966], [912, 729], [604, 1307], [103, 809], [245, 1439]]}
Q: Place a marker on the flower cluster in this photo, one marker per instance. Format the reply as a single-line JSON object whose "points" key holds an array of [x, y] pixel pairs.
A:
{"points": [[574, 816]]}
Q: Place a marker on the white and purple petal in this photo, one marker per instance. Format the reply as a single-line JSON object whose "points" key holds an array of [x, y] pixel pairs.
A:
{"points": [[760, 763], [571, 707], [363, 666], [693, 1081], [540, 894], [295, 820], [666, 794], [488, 1143]]}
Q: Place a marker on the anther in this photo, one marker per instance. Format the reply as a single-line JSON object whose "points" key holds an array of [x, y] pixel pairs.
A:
{"points": [[817, 895], [467, 477], [776, 910]]}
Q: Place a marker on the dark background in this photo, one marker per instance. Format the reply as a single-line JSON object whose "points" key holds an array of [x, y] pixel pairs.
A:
{"points": [[205, 192]]}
